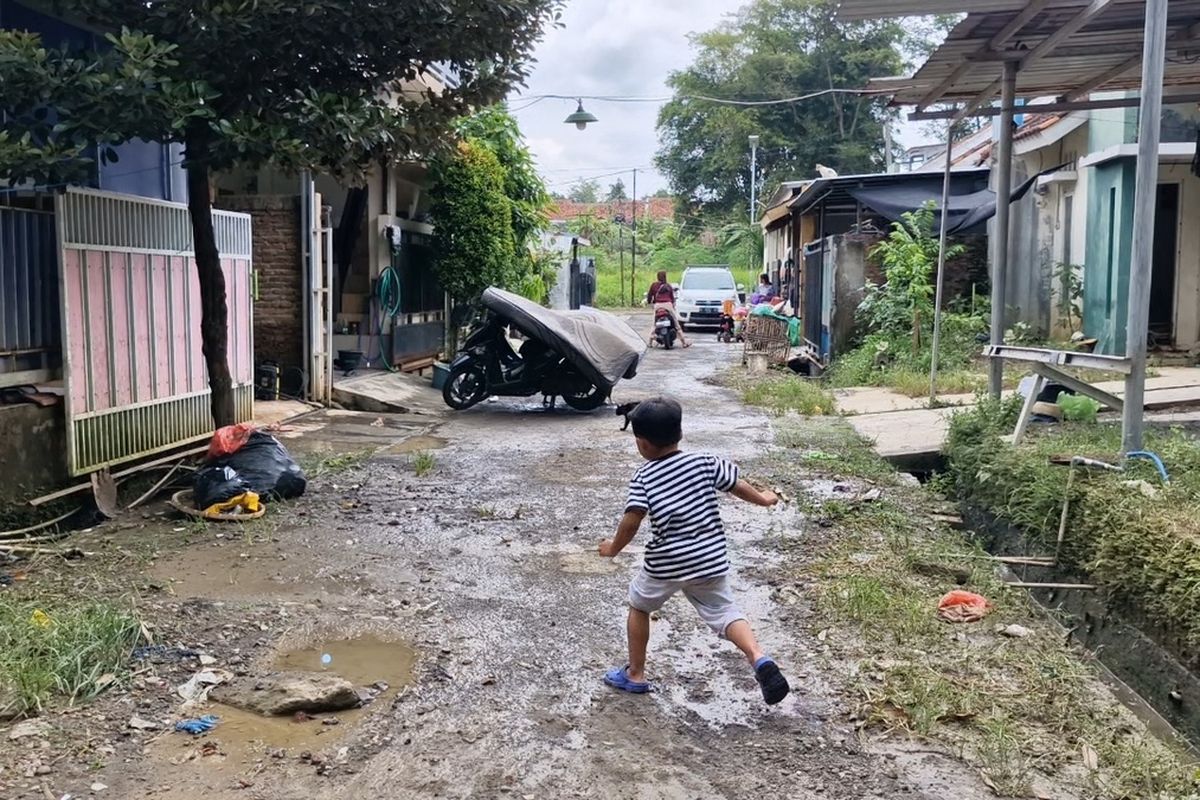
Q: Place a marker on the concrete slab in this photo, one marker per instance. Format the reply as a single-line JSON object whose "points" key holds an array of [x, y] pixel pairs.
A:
{"points": [[378, 391], [904, 430], [271, 412], [913, 432]]}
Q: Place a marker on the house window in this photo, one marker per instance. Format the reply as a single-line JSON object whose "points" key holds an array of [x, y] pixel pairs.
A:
{"points": [[1068, 213]]}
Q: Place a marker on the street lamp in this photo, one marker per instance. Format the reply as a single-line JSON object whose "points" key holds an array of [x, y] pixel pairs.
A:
{"points": [[580, 118], [753, 174]]}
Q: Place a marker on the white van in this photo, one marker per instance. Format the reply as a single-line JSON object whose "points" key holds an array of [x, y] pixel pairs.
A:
{"points": [[701, 293]]}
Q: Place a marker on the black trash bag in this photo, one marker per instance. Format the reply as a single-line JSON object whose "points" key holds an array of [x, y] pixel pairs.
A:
{"points": [[214, 483], [267, 469]]}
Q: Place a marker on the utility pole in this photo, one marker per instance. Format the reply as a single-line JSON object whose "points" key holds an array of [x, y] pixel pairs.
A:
{"points": [[633, 249], [753, 176], [1008, 91], [621, 253]]}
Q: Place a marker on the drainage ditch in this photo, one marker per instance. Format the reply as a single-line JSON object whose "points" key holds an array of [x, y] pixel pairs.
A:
{"points": [[1153, 672]]}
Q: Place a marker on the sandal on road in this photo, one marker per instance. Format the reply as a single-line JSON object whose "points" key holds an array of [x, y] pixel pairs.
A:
{"points": [[618, 678]]}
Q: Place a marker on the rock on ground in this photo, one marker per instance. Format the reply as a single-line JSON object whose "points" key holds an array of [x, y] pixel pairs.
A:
{"points": [[288, 692]]}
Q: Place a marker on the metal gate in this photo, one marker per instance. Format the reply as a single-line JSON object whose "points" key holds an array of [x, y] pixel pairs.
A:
{"points": [[134, 374], [813, 291], [29, 317]]}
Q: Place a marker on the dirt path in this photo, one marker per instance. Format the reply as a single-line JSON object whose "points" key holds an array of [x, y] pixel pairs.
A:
{"points": [[486, 567]]}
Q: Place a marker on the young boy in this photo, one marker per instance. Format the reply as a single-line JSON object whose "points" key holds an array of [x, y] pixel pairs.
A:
{"points": [[687, 552]]}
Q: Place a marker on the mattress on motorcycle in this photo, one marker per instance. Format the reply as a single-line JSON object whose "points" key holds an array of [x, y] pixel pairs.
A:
{"points": [[603, 348]]}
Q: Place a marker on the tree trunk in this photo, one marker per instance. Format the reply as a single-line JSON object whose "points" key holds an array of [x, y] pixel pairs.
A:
{"points": [[214, 314]]}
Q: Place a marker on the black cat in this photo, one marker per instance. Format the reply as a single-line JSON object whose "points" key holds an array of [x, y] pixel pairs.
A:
{"points": [[624, 410]]}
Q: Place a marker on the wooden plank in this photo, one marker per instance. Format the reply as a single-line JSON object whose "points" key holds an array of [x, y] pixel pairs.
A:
{"points": [[1030, 585]]}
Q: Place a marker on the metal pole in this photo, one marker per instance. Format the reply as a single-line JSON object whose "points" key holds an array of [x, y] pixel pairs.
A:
{"points": [[941, 267], [633, 237], [1149, 125], [1008, 93], [753, 176]]}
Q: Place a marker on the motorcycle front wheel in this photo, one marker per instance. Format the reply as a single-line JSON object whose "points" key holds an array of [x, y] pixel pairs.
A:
{"points": [[465, 386], [586, 401]]}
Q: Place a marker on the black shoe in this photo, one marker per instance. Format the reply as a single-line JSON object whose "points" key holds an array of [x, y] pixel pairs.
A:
{"points": [[774, 685]]}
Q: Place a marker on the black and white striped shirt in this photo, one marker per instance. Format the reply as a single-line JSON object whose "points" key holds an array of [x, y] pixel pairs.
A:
{"points": [[679, 491]]}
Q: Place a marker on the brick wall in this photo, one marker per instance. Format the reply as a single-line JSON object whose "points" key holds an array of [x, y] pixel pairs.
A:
{"points": [[278, 312]]}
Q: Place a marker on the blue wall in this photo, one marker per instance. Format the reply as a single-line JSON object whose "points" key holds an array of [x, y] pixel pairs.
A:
{"points": [[147, 169]]}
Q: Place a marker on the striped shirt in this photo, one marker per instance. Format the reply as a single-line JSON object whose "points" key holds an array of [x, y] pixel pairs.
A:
{"points": [[679, 491]]}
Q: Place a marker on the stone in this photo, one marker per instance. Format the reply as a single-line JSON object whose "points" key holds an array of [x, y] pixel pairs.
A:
{"points": [[30, 727], [1015, 631], [139, 724], [285, 693], [207, 660]]}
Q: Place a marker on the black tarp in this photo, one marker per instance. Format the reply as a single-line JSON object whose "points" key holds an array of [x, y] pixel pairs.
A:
{"points": [[966, 210], [603, 348]]}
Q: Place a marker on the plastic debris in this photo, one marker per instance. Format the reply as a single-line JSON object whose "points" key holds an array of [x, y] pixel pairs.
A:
{"points": [[40, 618], [228, 440], [197, 687], [197, 725], [962, 606], [326, 660]]}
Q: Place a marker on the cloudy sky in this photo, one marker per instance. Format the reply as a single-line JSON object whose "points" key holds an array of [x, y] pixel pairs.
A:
{"points": [[612, 47]]}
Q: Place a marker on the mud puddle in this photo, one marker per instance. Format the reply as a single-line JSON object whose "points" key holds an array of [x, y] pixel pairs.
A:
{"points": [[416, 444], [234, 572], [244, 744]]}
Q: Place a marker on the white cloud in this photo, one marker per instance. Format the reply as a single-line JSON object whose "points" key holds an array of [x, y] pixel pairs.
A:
{"points": [[614, 47]]}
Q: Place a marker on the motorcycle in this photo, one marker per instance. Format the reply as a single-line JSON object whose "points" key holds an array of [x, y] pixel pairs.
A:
{"points": [[664, 329], [488, 366]]}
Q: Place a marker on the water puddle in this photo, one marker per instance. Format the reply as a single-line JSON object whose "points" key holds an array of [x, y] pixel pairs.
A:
{"points": [[417, 444], [232, 571], [244, 743]]}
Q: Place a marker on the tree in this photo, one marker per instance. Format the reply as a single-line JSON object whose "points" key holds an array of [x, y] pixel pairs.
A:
{"points": [[775, 49], [617, 191], [329, 86], [473, 238], [585, 192]]}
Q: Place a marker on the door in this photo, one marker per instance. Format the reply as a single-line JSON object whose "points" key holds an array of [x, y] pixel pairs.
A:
{"points": [[1162, 265], [814, 290]]}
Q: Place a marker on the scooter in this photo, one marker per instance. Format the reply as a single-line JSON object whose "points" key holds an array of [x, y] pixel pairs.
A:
{"points": [[488, 366], [664, 329]]}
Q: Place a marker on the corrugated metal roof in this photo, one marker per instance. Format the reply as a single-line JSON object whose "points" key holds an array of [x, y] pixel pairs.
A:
{"points": [[1062, 47]]}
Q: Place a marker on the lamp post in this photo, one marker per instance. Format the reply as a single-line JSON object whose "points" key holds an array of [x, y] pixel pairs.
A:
{"points": [[753, 174]]}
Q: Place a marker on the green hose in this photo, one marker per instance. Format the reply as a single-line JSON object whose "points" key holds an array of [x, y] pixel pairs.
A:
{"points": [[387, 300]]}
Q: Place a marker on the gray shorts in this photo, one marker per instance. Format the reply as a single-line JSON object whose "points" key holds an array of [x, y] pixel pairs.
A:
{"points": [[712, 598]]}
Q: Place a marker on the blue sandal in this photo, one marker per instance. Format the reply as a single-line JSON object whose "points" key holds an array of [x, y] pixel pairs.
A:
{"points": [[618, 678]]}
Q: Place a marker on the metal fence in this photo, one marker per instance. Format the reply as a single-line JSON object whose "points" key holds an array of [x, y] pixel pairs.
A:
{"points": [[29, 315], [133, 366]]}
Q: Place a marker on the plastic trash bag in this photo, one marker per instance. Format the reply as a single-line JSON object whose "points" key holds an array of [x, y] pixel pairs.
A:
{"points": [[228, 440], [1078, 407], [963, 606], [264, 466], [215, 484]]}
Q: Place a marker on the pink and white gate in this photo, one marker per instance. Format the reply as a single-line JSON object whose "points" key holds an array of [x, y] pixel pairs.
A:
{"points": [[134, 373]]}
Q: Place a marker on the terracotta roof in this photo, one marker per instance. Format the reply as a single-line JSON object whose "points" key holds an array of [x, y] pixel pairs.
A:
{"points": [[658, 208]]}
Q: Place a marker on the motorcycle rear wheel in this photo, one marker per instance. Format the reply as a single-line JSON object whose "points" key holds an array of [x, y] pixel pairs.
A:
{"points": [[587, 401], [465, 386]]}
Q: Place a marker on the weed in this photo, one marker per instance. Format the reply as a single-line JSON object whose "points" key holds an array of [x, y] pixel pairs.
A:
{"points": [[423, 463], [781, 392], [71, 649], [1004, 766], [319, 465], [195, 526]]}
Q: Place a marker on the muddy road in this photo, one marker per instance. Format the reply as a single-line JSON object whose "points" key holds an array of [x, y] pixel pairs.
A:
{"points": [[482, 574]]}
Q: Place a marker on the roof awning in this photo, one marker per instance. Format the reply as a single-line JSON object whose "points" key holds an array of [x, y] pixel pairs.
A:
{"points": [[1065, 50]]}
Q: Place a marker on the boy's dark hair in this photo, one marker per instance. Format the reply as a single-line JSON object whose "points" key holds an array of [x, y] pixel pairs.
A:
{"points": [[659, 421]]}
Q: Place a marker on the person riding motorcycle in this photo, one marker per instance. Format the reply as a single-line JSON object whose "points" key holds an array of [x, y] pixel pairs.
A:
{"points": [[662, 297]]}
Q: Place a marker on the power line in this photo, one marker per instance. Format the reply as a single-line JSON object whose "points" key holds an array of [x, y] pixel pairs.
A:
{"points": [[611, 98]]}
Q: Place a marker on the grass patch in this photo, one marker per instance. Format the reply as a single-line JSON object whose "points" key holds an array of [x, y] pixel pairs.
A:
{"points": [[423, 463], [780, 392], [829, 448], [1020, 710], [1147, 548], [320, 465], [73, 650]]}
